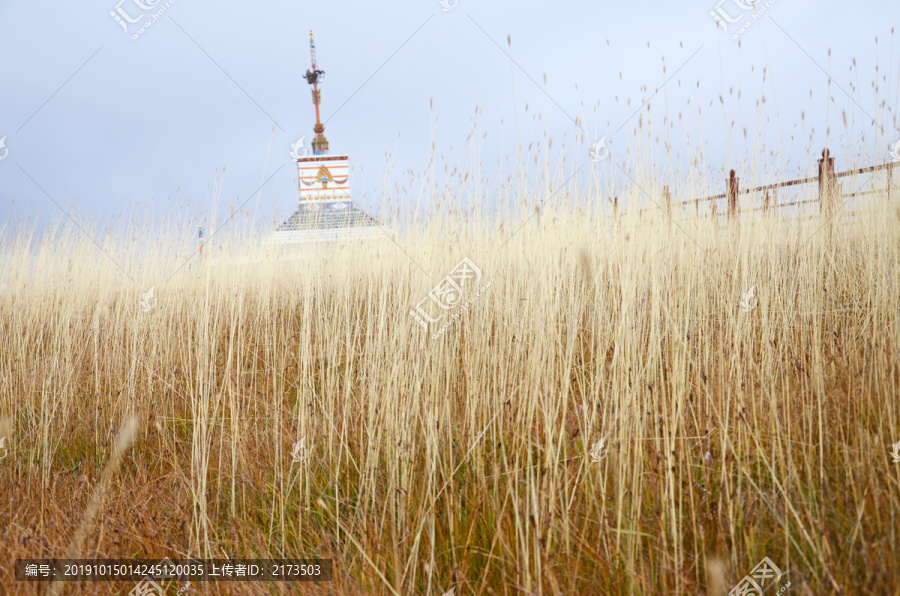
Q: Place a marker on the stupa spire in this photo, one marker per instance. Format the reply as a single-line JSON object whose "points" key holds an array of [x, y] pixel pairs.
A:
{"points": [[314, 77]]}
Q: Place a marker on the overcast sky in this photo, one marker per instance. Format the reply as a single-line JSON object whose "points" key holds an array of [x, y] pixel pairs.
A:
{"points": [[100, 125]]}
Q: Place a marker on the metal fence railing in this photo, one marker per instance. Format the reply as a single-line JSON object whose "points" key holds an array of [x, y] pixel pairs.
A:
{"points": [[830, 195]]}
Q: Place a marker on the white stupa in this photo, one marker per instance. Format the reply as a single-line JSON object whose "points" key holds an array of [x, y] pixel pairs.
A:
{"points": [[326, 211]]}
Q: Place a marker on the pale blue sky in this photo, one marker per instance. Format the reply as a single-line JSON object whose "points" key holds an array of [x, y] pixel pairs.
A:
{"points": [[105, 124]]}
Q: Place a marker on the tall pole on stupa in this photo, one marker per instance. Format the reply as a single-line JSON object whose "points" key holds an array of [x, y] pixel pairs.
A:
{"points": [[313, 77]]}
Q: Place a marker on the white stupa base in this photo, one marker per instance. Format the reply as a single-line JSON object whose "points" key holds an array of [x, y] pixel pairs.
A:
{"points": [[338, 234]]}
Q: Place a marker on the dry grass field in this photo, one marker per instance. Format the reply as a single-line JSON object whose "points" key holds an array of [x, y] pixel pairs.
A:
{"points": [[603, 418]]}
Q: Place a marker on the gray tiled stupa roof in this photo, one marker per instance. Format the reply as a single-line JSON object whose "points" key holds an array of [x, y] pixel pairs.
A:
{"points": [[328, 221]]}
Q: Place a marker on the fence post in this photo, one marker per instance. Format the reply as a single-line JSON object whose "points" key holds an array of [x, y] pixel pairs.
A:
{"points": [[828, 188], [733, 184], [667, 200], [767, 204], [890, 179], [616, 208]]}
